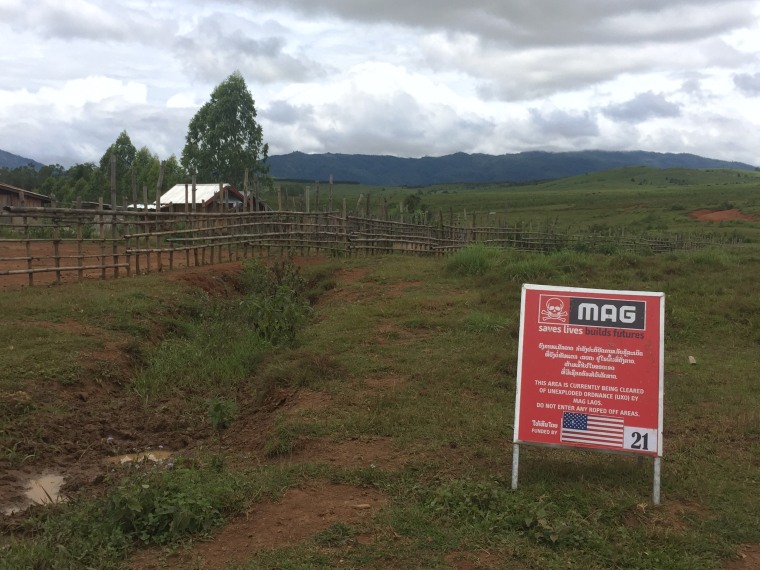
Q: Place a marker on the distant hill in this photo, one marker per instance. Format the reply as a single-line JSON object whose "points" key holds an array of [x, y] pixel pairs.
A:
{"points": [[461, 167], [379, 170], [9, 160]]}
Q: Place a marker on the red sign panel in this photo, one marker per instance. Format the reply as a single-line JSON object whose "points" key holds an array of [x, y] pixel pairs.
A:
{"points": [[590, 369]]}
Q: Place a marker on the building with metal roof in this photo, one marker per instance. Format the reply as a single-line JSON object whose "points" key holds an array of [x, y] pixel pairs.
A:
{"points": [[206, 196]]}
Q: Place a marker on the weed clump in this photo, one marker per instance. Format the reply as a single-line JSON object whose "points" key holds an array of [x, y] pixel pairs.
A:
{"points": [[224, 343], [154, 508], [276, 305], [490, 507], [473, 260]]}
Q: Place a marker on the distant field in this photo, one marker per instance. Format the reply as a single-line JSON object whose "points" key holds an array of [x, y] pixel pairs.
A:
{"points": [[638, 198]]}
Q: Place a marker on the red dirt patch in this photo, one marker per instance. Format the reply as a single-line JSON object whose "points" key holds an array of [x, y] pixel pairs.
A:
{"points": [[482, 560], [350, 275], [341, 295], [361, 453], [385, 383], [224, 278], [748, 559], [399, 289], [299, 515], [217, 281], [671, 516], [305, 401], [42, 252], [705, 215]]}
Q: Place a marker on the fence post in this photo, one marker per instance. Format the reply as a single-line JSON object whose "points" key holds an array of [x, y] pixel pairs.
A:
{"points": [[346, 243], [145, 228], [134, 188], [194, 225], [114, 248], [134, 228], [159, 186], [56, 243], [256, 193], [80, 236], [330, 203], [247, 199], [102, 236], [127, 256], [28, 243]]}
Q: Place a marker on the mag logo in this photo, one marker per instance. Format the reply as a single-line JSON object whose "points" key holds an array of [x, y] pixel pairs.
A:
{"points": [[591, 312], [610, 313]]}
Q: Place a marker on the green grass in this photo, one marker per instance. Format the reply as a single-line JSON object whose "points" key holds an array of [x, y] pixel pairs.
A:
{"points": [[639, 199], [423, 352]]}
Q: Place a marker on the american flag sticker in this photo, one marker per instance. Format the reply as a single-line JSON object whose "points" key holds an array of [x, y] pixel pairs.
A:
{"points": [[590, 429]]}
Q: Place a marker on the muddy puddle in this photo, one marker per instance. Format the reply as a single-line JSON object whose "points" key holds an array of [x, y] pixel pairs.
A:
{"points": [[42, 490]]}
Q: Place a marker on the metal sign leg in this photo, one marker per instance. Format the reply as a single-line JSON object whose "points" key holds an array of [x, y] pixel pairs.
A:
{"points": [[656, 490], [515, 464]]}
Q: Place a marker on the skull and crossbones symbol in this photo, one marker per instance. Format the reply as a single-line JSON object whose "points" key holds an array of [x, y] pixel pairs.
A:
{"points": [[554, 310]]}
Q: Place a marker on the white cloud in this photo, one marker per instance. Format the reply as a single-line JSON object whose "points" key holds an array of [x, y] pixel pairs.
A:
{"points": [[642, 107], [219, 44], [557, 123], [80, 19], [395, 77], [75, 96], [375, 107], [748, 83]]}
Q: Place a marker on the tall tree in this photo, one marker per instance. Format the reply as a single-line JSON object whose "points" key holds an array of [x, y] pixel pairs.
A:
{"points": [[125, 153], [223, 138], [146, 166]]}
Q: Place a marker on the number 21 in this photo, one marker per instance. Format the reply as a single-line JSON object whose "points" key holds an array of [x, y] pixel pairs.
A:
{"points": [[640, 441]]}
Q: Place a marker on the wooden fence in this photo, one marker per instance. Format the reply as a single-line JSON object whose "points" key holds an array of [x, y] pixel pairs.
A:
{"points": [[65, 244]]}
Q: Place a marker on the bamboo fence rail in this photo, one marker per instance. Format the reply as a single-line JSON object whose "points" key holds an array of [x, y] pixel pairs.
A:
{"points": [[117, 242]]}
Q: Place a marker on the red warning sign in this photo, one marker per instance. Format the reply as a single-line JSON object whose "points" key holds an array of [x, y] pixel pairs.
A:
{"points": [[590, 369]]}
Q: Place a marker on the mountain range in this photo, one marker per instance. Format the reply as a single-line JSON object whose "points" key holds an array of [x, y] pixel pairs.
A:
{"points": [[460, 167], [9, 160], [376, 170]]}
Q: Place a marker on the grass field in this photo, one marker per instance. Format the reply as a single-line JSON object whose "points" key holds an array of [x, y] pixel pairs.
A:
{"points": [[639, 198], [377, 417]]}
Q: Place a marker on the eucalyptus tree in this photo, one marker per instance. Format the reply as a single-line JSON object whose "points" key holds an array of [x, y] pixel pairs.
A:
{"points": [[125, 153], [224, 138]]}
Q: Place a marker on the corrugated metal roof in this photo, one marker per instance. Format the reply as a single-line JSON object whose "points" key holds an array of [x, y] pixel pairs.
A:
{"points": [[203, 193]]}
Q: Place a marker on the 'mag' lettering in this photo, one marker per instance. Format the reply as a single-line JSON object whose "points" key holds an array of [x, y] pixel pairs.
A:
{"points": [[591, 312], [612, 313]]}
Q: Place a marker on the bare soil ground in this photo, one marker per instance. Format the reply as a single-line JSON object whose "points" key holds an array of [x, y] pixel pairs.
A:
{"points": [[721, 215], [748, 559], [13, 258], [89, 429]]}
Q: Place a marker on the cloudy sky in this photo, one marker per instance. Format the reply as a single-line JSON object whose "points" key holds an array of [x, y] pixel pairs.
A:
{"points": [[400, 77]]}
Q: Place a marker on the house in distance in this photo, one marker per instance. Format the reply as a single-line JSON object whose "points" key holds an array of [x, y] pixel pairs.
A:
{"points": [[207, 198], [13, 196]]}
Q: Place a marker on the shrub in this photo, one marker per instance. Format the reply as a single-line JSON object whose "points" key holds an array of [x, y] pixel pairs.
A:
{"points": [[473, 260]]}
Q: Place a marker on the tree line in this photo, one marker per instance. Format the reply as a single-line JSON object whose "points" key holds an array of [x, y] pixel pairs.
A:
{"points": [[223, 140]]}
